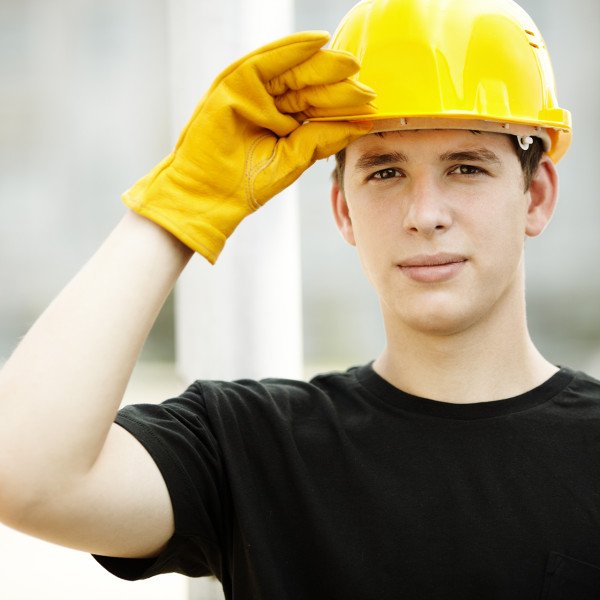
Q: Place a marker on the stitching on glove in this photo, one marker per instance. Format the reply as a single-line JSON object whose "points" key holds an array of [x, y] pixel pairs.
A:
{"points": [[254, 171]]}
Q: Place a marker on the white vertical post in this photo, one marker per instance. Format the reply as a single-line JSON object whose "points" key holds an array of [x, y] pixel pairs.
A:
{"points": [[242, 317]]}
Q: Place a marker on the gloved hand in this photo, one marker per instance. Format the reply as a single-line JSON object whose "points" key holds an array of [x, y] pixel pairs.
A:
{"points": [[246, 142]]}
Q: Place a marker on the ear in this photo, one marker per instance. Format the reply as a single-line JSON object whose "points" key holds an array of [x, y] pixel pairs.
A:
{"points": [[341, 213], [543, 194]]}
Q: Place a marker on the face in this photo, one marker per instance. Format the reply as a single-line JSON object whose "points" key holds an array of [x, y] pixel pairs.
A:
{"points": [[439, 219]]}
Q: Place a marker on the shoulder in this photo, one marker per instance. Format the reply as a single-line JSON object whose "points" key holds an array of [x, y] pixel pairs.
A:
{"points": [[286, 396], [582, 386], [219, 412], [580, 396]]}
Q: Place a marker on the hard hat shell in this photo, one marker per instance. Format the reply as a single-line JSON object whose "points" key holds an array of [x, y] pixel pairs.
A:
{"points": [[481, 60]]}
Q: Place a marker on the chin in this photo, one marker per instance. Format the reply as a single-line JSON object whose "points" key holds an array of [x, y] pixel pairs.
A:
{"points": [[437, 320], [443, 327]]}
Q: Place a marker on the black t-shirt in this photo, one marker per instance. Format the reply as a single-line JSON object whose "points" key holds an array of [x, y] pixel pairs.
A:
{"points": [[348, 488]]}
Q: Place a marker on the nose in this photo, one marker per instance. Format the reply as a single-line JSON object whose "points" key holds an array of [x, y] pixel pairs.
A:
{"points": [[427, 211]]}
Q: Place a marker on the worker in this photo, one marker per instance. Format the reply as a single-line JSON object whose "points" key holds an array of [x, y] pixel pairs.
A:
{"points": [[459, 464]]}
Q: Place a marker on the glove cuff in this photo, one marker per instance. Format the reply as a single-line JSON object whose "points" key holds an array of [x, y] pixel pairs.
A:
{"points": [[173, 214]]}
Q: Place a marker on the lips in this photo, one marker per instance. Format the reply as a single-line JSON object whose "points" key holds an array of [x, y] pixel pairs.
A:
{"points": [[432, 268], [432, 260]]}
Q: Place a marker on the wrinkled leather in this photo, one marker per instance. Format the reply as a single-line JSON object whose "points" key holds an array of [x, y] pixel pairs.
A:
{"points": [[247, 139]]}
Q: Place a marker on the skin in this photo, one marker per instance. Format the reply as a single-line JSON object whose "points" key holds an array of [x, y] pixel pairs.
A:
{"points": [[415, 198], [69, 475]]}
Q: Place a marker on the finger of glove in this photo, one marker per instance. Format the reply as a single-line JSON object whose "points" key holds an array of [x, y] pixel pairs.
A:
{"points": [[266, 62], [279, 56], [284, 54], [353, 113], [242, 85], [323, 67], [334, 96], [326, 139], [294, 154]]}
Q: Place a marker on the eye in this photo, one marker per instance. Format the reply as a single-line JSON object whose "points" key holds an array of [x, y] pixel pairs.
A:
{"points": [[466, 170], [389, 173]]}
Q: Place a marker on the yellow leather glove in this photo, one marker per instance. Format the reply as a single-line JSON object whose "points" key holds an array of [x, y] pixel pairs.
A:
{"points": [[246, 142]]}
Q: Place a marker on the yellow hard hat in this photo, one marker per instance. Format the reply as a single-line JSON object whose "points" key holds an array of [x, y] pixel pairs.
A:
{"points": [[460, 64]]}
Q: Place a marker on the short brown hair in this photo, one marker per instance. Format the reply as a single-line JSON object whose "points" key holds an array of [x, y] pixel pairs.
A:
{"points": [[529, 159]]}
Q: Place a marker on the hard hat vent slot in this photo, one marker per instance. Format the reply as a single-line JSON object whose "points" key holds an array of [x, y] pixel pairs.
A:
{"points": [[535, 42]]}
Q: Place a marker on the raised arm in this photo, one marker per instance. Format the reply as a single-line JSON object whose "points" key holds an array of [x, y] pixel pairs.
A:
{"points": [[67, 474], [60, 391]]}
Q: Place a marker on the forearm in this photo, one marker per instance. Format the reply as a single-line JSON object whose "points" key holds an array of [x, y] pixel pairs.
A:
{"points": [[60, 390]]}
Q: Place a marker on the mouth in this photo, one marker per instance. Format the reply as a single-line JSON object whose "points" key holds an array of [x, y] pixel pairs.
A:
{"points": [[432, 268]]}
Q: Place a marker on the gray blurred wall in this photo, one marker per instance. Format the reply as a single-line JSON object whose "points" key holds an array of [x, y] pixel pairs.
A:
{"points": [[84, 113]]}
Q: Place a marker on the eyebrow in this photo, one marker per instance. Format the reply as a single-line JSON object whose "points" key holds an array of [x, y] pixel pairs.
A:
{"points": [[368, 161], [482, 155]]}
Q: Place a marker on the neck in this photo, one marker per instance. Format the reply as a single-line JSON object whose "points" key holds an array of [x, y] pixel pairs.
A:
{"points": [[490, 360]]}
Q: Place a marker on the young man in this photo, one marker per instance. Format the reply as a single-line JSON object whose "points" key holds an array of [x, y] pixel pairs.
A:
{"points": [[459, 464]]}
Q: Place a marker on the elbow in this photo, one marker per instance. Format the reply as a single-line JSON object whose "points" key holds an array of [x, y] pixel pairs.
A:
{"points": [[17, 500], [11, 505]]}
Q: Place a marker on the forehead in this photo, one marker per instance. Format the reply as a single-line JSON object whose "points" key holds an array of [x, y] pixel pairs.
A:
{"points": [[427, 144]]}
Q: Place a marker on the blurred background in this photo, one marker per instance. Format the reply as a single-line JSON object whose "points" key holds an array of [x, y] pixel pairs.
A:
{"points": [[86, 108]]}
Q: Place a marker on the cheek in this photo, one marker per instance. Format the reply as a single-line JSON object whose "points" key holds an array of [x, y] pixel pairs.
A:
{"points": [[375, 229], [373, 237], [501, 239], [374, 214], [499, 212]]}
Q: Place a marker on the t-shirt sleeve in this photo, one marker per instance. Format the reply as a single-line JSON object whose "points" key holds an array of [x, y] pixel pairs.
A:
{"points": [[178, 437]]}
